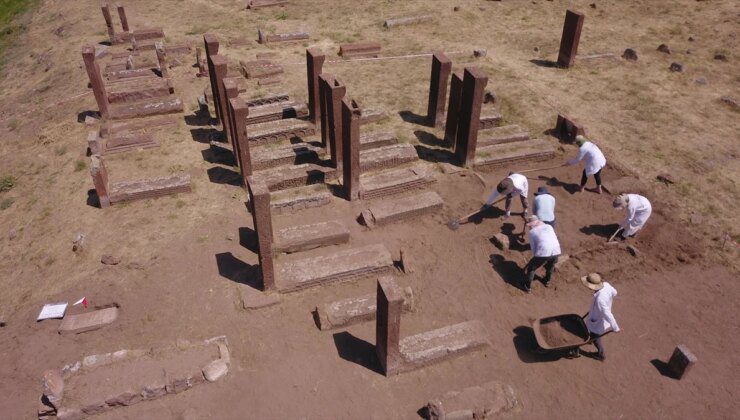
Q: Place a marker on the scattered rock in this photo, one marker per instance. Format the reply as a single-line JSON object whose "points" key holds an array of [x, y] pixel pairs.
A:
{"points": [[691, 39], [489, 97], [501, 241], [732, 102], [52, 385], [407, 262], [2, 321], [666, 178], [633, 250], [480, 52], [215, 370], [124, 399], [593, 5], [664, 48], [78, 244], [154, 390], [630, 54], [255, 299], [688, 52], [230, 237], [12, 233], [65, 413], [701, 80], [677, 67], [536, 49], [108, 259], [456, 9], [720, 57], [682, 257]]}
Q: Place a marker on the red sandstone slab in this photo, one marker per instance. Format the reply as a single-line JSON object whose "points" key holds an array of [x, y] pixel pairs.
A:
{"points": [[488, 401], [395, 181], [508, 153], [268, 99], [76, 324], [121, 93], [110, 128], [387, 157], [146, 108], [131, 73], [341, 266], [371, 115], [407, 20], [149, 188], [269, 81], [345, 312], [489, 118], [276, 111], [315, 235], [280, 130], [258, 4], [502, 135], [295, 199], [270, 156], [360, 49], [148, 33], [264, 38], [285, 177], [389, 211], [260, 69], [377, 139], [442, 344], [127, 141]]}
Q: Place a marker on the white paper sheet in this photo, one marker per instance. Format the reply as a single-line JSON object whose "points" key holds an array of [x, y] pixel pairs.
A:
{"points": [[52, 310]]}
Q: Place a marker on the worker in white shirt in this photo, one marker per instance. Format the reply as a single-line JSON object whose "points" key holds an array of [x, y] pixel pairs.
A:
{"points": [[638, 212], [545, 251], [599, 319], [514, 184], [594, 162], [544, 206]]}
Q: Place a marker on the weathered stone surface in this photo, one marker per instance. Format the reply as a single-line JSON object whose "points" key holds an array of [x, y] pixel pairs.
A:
{"points": [[108, 259], [315, 235], [501, 241], [258, 4], [393, 210], [350, 149], [316, 195], [274, 131], [360, 49], [259, 206], [146, 108], [124, 142], [258, 69], [466, 140], [109, 128], [341, 266], [94, 408], [52, 386], [345, 312], [377, 139], [153, 89], [681, 361], [66, 413], [570, 38], [480, 52], [277, 111], [507, 153], [256, 299], [270, 98], [387, 157], [369, 115], [567, 128], [489, 118], [285, 177], [381, 184], [270, 156], [407, 20], [149, 188], [630, 54], [664, 48], [132, 73], [487, 401], [502, 135], [677, 67], [441, 69], [89, 321], [388, 324], [269, 81], [215, 370], [154, 389], [732, 102], [124, 399], [264, 38], [441, 344]]}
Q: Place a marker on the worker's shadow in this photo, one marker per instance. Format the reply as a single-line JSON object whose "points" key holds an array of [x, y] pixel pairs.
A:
{"points": [[528, 350], [555, 182], [604, 231], [489, 213], [516, 239], [509, 271]]}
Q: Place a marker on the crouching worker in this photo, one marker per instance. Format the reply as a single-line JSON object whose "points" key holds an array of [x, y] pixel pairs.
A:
{"points": [[638, 213], [514, 184], [545, 249]]}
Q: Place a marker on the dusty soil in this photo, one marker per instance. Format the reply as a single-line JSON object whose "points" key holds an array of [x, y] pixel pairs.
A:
{"points": [[561, 332], [187, 258]]}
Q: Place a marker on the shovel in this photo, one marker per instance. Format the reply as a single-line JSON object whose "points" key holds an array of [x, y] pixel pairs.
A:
{"points": [[615, 234], [541, 169], [455, 223]]}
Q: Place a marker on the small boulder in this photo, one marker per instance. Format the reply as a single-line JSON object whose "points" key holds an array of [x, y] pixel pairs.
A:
{"points": [[489, 97], [593, 5], [691, 39], [630, 54], [78, 243], [732, 102], [108, 259], [664, 48], [720, 57], [480, 52], [677, 67], [666, 178], [52, 386], [215, 370], [456, 9], [12, 233], [701, 80], [501, 241]]}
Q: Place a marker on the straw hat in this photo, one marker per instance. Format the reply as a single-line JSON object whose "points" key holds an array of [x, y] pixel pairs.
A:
{"points": [[580, 140], [592, 281], [621, 201]]}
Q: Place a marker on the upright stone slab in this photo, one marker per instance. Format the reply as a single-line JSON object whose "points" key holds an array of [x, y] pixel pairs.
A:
{"points": [[96, 80], [337, 90], [109, 23], [122, 16], [100, 180], [220, 68], [453, 108], [388, 325], [571, 37], [568, 129], [351, 148], [211, 47], [324, 103], [441, 68], [161, 58], [314, 63], [230, 91], [239, 112], [474, 82], [681, 361], [259, 199]]}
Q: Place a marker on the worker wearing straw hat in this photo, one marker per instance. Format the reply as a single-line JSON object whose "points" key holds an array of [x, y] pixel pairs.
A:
{"points": [[599, 319], [594, 162], [639, 210]]}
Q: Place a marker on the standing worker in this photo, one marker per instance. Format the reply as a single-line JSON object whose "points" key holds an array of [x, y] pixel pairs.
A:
{"points": [[638, 213], [544, 206], [599, 319], [595, 162], [545, 251], [514, 184]]}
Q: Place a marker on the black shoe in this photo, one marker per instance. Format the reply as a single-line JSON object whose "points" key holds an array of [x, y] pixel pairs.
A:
{"points": [[546, 283], [526, 288], [600, 357]]}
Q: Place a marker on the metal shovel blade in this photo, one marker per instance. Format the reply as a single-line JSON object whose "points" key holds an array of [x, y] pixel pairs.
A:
{"points": [[453, 224]]}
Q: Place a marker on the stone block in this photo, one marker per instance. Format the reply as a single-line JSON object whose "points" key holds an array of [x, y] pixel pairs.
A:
{"points": [[570, 38], [394, 181], [75, 324], [377, 139], [502, 135], [149, 188], [67, 413], [280, 130], [407, 20], [393, 210], [681, 361], [387, 157], [124, 399], [388, 324], [567, 128], [350, 311], [215, 370], [441, 69], [264, 38], [495, 156], [295, 199], [315, 235], [487, 401], [276, 111], [255, 299], [360, 49], [285, 177], [258, 69], [146, 108], [52, 386], [258, 4], [269, 156], [489, 119], [442, 344], [154, 390]]}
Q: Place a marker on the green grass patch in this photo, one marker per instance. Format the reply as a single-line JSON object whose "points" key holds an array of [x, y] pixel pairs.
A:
{"points": [[7, 182], [9, 29]]}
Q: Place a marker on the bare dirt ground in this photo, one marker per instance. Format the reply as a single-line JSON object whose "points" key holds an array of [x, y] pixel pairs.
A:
{"points": [[186, 258]]}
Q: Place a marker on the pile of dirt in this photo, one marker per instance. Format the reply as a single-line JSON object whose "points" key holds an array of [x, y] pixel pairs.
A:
{"points": [[565, 331]]}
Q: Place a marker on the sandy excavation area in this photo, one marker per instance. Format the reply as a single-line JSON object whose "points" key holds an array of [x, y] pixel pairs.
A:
{"points": [[189, 261]]}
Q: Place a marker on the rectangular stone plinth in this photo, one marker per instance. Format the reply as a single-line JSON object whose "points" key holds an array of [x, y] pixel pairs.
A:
{"points": [[360, 49], [354, 310], [407, 20], [275, 131], [75, 324], [264, 38], [146, 108], [502, 135], [270, 156], [258, 69], [268, 99], [122, 93], [149, 188], [284, 177], [377, 139], [368, 116], [487, 401], [305, 237], [681, 361], [441, 344], [394, 210], [276, 111], [489, 119], [110, 128], [295, 199], [395, 181], [149, 33], [387, 157], [258, 4], [127, 141], [508, 153], [131, 73], [341, 266]]}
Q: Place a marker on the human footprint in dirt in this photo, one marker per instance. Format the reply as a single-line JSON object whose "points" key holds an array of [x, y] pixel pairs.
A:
{"points": [[514, 184], [599, 318], [593, 159], [639, 210]]}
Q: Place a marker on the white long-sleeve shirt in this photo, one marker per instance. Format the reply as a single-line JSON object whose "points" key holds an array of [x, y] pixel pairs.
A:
{"points": [[544, 207], [521, 187], [639, 210], [600, 318], [594, 159], [543, 241]]}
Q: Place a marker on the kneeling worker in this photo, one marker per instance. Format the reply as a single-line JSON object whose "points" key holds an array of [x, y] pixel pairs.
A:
{"points": [[638, 212], [545, 249], [514, 184]]}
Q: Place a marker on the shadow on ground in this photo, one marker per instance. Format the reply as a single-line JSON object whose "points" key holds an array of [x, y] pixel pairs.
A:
{"points": [[237, 270], [357, 350]]}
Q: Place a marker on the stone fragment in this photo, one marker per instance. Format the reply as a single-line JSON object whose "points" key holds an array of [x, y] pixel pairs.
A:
{"points": [[489, 97], [456, 9], [501, 241], [487, 401], [255, 299], [124, 399], [215, 370], [88, 321], [681, 361], [434, 346], [480, 52], [720, 57], [630, 54], [701, 80], [633, 250], [52, 386], [66, 413], [178, 385], [12, 233], [94, 408], [78, 244], [360, 49], [154, 390], [732, 102], [677, 67], [108, 259], [407, 207], [666, 178], [664, 48], [345, 312], [410, 20]]}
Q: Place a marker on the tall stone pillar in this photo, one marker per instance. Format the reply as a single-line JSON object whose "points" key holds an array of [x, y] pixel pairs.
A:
{"points": [[211, 47], [220, 68], [122, 16], [162, 59], [96, 80], [230, 91], [351, 148], [259, 199], [324, 103], [239, 111], [453, 109], [388, 325], [100, 180], [337, 90], [474, 82], [314, 64], [571, 37], [441, 68], [109, 23]]}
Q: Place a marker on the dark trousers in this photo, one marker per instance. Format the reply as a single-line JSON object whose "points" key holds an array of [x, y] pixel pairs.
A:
{"points": [[597, 342], [537, 262], [523, 199], [597, 177]]}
